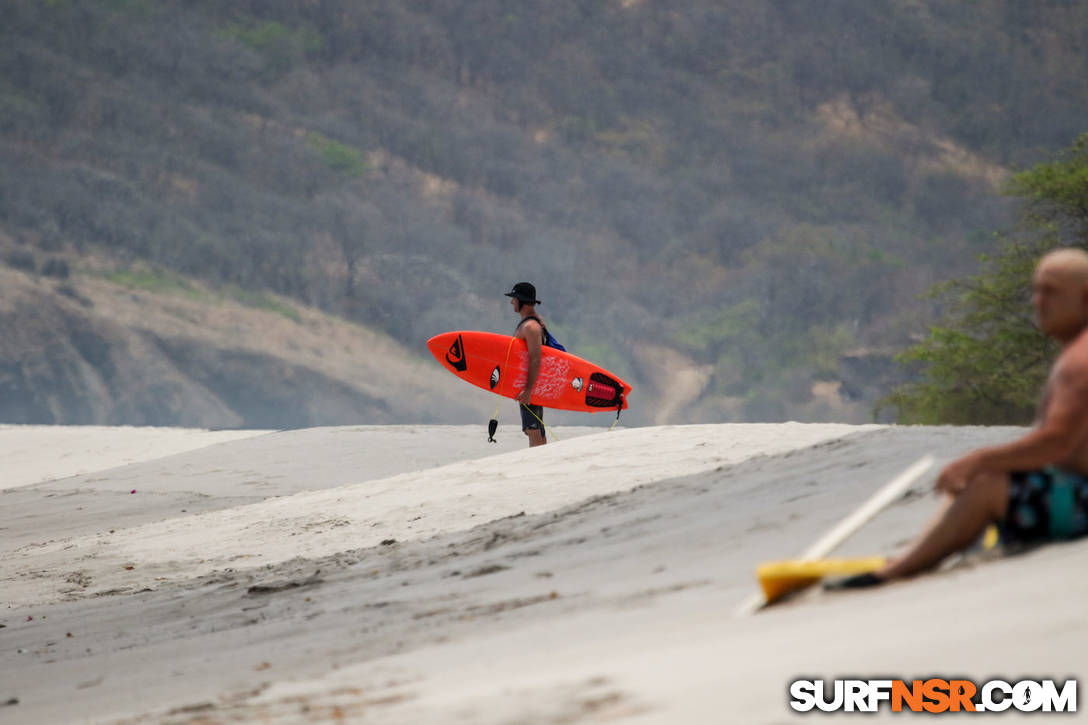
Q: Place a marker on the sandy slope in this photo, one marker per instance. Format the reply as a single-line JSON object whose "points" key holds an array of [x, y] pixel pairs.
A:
{"points": [[354, 506], [418, 575], [36, 453]]}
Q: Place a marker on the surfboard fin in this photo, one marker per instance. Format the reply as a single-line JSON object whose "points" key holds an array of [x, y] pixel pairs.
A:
{"points": [[492, 426]]}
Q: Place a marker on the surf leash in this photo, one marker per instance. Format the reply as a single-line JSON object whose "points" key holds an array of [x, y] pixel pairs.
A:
{"points": [[619, 409], [547, 431], [493, 424]]}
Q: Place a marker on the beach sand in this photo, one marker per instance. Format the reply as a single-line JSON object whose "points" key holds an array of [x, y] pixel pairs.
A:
{"points": [[417, 574]]}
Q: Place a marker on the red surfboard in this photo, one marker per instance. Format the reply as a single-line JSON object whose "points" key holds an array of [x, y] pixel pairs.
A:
{"points": [[500, 363]]}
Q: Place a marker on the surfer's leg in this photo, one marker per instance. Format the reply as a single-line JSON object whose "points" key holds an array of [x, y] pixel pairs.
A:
{"points": [[960, 522], [532, 424]]}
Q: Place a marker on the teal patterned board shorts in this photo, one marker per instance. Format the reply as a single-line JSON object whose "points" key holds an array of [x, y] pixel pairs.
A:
{"points": [[1046, 505]]}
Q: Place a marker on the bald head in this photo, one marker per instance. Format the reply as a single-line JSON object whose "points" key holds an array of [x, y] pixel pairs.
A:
{"points": [[1060, 293], [1070, 263]]}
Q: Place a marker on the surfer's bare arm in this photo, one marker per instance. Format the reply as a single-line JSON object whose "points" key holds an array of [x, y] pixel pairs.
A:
{"points": [[1057, 439], [534, 338]]}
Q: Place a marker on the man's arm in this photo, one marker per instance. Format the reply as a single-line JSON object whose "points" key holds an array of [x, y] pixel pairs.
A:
{"points": [[1055, 439], [534, 338]]}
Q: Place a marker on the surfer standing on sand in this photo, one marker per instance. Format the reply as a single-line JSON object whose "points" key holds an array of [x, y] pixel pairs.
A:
{"points": [[1035, 488], [531, 329]]}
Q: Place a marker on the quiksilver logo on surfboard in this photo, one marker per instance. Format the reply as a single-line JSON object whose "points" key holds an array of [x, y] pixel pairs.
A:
{"points": [[456, 356], [495, 375]]}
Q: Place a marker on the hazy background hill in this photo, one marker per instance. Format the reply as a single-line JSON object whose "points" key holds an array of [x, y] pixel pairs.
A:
{"points": [[732, 204]]}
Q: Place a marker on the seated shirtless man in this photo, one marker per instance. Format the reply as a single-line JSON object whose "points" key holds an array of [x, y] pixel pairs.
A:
{"points": [[1035, 488]]}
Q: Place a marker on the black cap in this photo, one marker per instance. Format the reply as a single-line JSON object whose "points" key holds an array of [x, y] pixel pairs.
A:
{"points": [[525, 292]]}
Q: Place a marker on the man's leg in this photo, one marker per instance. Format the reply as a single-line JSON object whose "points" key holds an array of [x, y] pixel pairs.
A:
{"points": [[532, 424], [962, 520]]}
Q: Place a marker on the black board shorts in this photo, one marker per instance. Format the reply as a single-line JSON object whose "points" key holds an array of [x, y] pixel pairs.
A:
{"points": [[532, 418], [1046, 505]]}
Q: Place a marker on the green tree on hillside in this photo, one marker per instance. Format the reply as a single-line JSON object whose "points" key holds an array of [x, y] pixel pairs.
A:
{"points": [[986, 361]]}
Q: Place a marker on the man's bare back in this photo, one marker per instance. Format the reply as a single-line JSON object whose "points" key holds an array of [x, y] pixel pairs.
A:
{"points": [[1065, 397]]}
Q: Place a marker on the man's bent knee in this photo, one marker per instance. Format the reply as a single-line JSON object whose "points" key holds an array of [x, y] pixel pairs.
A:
{"points": [[989, 491]]}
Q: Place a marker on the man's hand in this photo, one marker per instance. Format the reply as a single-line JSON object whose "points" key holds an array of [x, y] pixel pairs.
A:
{"points": [[957, 474], [524, 396]]}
